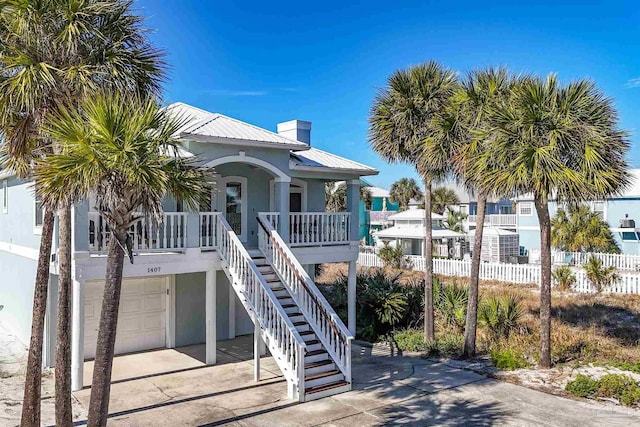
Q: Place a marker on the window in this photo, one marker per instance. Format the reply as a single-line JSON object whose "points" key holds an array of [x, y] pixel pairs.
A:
{"points": [[526, 208], [599, 208], [39, 212], [5, 197], [234, 206]]}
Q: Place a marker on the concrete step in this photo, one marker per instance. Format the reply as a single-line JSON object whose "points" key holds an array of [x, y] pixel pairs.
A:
{"points": [[318, 392], [322, 378]]}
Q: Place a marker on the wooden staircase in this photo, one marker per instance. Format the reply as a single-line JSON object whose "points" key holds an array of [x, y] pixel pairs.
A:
{"points": [[321, 375]]}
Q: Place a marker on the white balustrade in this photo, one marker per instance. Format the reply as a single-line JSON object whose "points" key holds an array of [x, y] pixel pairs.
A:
{"points": [[323, 320], [147, 235], [495, 220], [283, 339], [629, 282], [314, 228]]}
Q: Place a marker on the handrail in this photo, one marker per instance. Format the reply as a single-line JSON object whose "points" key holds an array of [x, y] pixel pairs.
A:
{"points": [[274, 321], [323, 319]]}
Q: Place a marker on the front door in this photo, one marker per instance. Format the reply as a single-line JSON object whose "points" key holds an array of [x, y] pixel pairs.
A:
{"points": [[295, 202], [232, 202]]}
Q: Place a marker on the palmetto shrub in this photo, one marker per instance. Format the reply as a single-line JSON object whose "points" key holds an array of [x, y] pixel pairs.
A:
{"points": [[563, 278], [500, 315], [393, 257], [381, 303], [599, 276], [451, 303]]}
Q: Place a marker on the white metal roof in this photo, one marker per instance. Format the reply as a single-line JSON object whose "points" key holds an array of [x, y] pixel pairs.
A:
{"points": [[495, 231], [414, 232], [319, 160], [378, 192], [204, 126], [415, 214]]}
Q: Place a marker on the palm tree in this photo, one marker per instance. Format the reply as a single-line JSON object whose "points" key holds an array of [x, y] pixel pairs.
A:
{"points": [[555, 141], [480, 94], [52, 53], [455, 221], [122, 149], [442, 198], [400, 122], [336, 196], [403, 190], [600, 277], [579, 229]]}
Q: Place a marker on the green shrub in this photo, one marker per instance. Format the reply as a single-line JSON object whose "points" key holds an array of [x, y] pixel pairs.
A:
{"points": [[614, 385], [500, 315], [632, 367], [446, 345], [630, 397], [582, 386], [410, 340], [563, 278], [451, 302], [508, 360], [617, 386], [393, 257]]}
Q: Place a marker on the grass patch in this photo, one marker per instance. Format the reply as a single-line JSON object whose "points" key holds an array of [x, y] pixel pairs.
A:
{"points": [[616, 386], [410, 340], [508, 360]]}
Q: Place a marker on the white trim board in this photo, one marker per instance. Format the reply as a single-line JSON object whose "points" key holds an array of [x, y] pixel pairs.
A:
{"points": [[23, 251]]}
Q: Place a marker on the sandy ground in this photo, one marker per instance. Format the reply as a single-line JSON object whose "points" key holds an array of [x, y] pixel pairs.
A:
{"points": [[13, 357]]}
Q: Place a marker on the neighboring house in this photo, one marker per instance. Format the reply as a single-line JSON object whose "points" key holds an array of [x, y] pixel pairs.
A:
{"points": [[499, 212], [622, 212], [376, 215], [244, 263], [408, 232]]}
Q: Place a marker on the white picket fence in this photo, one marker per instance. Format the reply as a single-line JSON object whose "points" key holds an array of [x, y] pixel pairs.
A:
{"points": [[511, 273], [619, 261]]}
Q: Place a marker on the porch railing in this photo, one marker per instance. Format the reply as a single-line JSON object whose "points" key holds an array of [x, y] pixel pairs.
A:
{"points": [[496, 220], [323, 319], [315, 228], [147, 235]]}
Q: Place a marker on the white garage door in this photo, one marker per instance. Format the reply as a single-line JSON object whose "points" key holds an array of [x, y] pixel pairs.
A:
{"points": [[141, 320]]}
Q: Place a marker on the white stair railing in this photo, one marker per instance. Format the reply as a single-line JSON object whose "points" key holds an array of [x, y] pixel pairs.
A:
{"points": [[284, 341], [323, 320]]}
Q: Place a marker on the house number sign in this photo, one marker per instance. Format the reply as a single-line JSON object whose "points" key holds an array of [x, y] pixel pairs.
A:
{"points": [[153, 270]]}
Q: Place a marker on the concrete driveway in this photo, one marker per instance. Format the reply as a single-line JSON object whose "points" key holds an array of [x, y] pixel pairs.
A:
{"points": [[388, 390]]}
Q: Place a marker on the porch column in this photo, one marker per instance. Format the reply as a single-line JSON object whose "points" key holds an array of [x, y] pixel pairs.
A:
{"points": [[77, 336], [257, 350], [351, 298], [281, 190], [353, 206], [210, 309]]}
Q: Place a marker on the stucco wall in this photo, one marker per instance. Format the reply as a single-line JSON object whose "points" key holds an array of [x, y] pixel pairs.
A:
{"points": [[17, 225], [190, 309], [17, 279]]}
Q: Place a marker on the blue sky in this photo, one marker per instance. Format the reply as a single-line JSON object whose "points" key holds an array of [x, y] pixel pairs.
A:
{"points": [[268, 62]]}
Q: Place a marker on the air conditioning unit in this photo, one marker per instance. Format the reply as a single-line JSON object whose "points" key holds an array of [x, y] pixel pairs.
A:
{"points": [[627, 223]]}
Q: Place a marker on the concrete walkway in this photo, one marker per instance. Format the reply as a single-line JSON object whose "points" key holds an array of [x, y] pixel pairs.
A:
{"points": [[388, 390]]}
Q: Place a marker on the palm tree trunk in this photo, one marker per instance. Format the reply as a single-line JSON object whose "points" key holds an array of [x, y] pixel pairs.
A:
{"points": [[64, 416], [32, 383], [101, 383], [429, 323], [544, 219], [471, 324]]}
